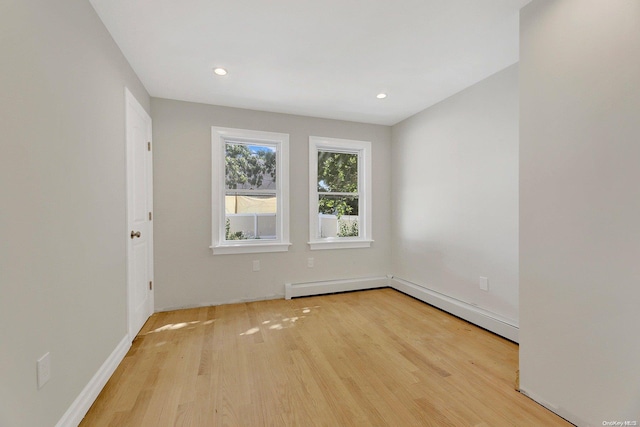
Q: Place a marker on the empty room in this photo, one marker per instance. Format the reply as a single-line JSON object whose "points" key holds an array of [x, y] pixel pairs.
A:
{"points": [[331, 213]]}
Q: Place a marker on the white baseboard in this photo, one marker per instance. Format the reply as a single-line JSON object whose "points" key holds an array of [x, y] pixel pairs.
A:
{"points": [[556, 409], [88, 395], [478, 316], [292, 290], [216, 303]]}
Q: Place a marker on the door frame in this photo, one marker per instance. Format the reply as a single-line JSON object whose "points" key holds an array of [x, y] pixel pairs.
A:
{"points": [[132, 102]]}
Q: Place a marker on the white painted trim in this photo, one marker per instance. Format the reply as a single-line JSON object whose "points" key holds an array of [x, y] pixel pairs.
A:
{"points": [[219, 137], [250, 249], [572, 418], [363, 149], [339, 244], [476, 315], [292, 290], [217, 303], [88, 395]]}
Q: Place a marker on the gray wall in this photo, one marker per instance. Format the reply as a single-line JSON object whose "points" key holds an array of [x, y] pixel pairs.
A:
{"points": [[455, 195], [452, 211], [580, 208], [186, 271], [62, 193]]}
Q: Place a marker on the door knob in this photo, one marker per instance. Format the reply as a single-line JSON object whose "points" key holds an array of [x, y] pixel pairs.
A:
{"points": [[135, 234]]}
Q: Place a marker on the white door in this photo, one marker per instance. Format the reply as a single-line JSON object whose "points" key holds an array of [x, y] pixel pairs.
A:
{"points": [[139, 215]]}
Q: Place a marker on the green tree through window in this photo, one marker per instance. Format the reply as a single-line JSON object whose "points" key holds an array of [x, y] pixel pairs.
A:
{"points": [[250, 177], [248, 165], [338, 188]]}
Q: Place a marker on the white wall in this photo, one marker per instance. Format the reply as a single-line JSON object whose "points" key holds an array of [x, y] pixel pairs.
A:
{"points": [[186, 271], [62, 203], [580, 208], [455, 195]]}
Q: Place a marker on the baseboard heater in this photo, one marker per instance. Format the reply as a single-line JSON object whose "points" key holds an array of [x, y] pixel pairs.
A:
{"points": [[292, 290], [485, 319]]}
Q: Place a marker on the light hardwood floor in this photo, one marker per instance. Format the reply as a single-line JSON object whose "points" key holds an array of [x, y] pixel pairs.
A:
{"points": [[372, 358]]}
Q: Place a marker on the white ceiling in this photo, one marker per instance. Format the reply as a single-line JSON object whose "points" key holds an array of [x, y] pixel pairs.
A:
{"points": [[322, 58]]}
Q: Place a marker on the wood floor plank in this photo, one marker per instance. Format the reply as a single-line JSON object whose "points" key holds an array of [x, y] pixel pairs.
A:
{"points": [[371, 358]]}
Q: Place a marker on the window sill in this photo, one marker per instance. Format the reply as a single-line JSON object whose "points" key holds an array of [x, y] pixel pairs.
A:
{"points": [[339, 244], [252, 248]]}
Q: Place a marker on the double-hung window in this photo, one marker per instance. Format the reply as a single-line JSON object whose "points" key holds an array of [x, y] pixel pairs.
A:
{"points": [[339, 193], [250, 191]]}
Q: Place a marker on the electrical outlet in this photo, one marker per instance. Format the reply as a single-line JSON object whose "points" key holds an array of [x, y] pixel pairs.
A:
{"points": [[43, 369], [310, 262], [256, 265], [484, 284]]}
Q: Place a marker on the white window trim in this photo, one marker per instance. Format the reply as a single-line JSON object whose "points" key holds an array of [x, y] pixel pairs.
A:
{"points": [[363, 148], [219, 245]]}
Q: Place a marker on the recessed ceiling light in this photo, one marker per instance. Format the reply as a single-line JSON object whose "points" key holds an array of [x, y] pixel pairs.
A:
{"points": [[381, 95], [220, 71]]}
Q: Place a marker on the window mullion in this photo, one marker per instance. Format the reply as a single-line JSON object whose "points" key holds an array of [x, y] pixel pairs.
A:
{"points": [[233, 192], [336, 193]]}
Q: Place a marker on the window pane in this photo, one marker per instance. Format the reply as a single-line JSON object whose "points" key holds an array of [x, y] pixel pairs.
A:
{"points": [[337, 172], [250, 216], [250, 166], [337, 216]]}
